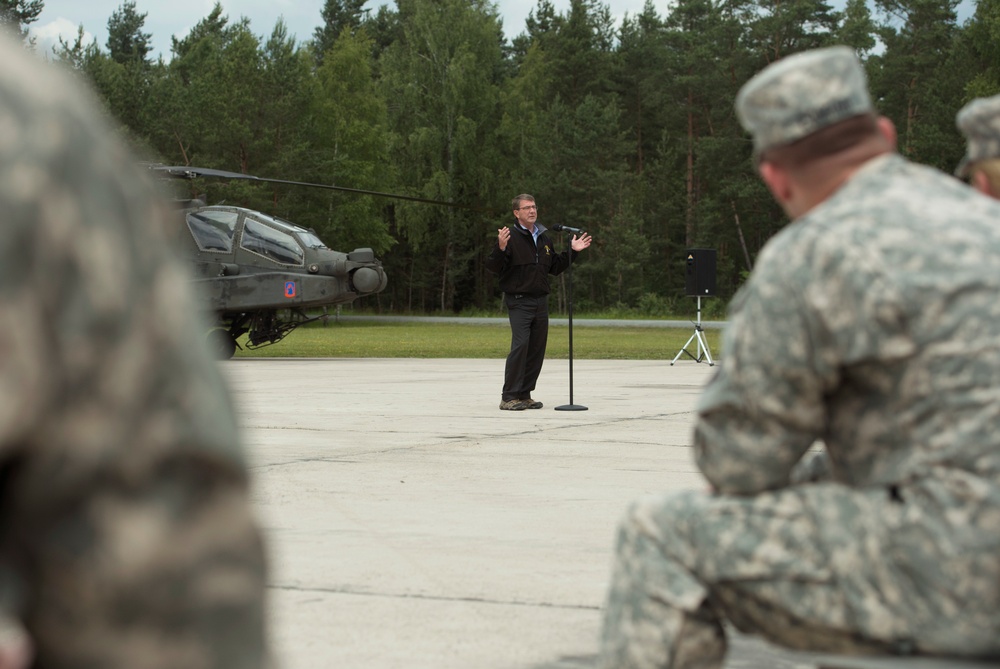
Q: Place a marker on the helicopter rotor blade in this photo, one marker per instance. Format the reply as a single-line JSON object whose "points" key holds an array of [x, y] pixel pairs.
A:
{"points": [[194, 172]]}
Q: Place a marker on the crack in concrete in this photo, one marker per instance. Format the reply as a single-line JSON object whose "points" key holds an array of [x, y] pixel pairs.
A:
{"points": [[439, 598]]}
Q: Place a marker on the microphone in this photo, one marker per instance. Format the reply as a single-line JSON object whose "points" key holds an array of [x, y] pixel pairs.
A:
{"points": [[558, 227]]}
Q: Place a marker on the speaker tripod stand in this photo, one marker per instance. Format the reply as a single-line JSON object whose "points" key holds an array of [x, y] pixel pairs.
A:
{"points": [[699, 336]]}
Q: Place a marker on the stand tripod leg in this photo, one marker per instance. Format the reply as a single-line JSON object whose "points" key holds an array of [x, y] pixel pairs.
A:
{"points": [[703, 346], [698, 335], [684, 348]]}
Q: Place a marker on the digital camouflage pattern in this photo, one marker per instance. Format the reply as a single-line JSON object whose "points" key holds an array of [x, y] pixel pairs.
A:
{"points": [[871, 325], [126, 538], [979, 121], [801, 94]]}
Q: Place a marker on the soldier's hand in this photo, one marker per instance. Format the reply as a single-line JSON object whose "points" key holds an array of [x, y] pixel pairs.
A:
{"points": [[503, 236]]}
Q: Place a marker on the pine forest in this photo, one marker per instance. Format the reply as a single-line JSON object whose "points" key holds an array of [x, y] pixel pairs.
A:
{"points": [[623, 128]]}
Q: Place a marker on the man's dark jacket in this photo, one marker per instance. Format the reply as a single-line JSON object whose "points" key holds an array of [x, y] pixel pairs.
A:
{"points": [[523, 267]]}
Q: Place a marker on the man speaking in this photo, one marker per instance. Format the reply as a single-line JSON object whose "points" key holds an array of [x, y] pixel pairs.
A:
{"points": [[524, 258]]}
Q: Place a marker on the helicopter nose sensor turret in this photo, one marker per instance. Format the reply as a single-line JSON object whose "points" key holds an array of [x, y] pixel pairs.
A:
{"points": [[369, 277], [363, 271], [365, 280]]}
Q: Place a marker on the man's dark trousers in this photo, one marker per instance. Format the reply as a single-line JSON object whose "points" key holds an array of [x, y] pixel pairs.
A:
{"points": [[529, 332]]}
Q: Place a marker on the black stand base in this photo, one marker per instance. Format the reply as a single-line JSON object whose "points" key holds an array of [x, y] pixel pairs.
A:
{"points": [[699, 336], [571, 407]]}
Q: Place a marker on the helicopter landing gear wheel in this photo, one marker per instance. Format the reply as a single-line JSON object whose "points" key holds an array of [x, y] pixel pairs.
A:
{"points": [[221, 344]]}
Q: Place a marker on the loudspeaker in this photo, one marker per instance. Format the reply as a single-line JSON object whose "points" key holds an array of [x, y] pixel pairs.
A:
{"points": [[699, 273]]}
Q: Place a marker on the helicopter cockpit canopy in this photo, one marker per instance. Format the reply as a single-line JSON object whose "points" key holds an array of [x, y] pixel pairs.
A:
{"points": [[272, 243], [215, 229]]}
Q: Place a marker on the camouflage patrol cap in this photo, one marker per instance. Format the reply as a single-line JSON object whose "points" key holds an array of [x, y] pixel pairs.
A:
{"points": [[979, 121], [802, 93]]}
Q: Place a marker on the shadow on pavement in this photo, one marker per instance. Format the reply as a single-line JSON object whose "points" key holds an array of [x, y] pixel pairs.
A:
{"points": [[745, 652]]}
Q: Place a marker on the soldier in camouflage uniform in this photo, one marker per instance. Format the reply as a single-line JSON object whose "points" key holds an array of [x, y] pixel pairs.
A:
{"points": [[851, 436], [979, 121], [126, 538]]}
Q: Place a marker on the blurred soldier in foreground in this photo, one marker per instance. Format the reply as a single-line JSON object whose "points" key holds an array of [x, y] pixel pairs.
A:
{"points": [[126, 538], [979, 121], [871, 326]]}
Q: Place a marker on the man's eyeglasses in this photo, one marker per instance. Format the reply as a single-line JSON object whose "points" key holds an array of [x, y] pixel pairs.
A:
{"points": [[528, 208]]}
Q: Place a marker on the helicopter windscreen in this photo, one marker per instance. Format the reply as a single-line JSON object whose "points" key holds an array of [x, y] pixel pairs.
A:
{"points": [[213, 230], [307, 237], [277, 245]]}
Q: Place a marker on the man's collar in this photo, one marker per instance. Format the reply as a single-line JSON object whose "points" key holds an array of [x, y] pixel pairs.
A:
{"points": [[539, 228]]}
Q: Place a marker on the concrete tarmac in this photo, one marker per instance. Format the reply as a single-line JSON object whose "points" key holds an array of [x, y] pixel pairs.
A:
{"points": [[412, 524]]}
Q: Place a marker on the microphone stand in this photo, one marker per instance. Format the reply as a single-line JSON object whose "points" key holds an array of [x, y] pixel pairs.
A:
{"points": [[569, 308]]}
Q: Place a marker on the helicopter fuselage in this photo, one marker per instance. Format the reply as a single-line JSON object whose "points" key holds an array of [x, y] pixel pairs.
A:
{"points": [[249, 267]]}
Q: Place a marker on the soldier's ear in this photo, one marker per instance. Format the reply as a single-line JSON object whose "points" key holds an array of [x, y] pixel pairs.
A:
{"points": [[887, 129], [777, 181], [783, 187], [981, 183]]}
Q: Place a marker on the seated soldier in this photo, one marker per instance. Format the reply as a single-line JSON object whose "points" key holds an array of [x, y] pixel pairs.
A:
{"points": [[979, 121], [871, 326], [127, 539]]}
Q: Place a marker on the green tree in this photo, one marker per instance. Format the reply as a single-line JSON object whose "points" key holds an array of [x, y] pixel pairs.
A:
{"points": [[190, 97], [778, 28], [75, 54], [220, 71], [127, 43], [580, 50], [588, 187], [211, 101], [696, 85], [385, 29], [524, 133], [857, 29], [979, 43], [642, 54], [16, 15], [703, 149], [351, 142], [441, 81], [915, 81], [123, 74], [237, 80], [338, 16], [284, 100], [542, 21]]}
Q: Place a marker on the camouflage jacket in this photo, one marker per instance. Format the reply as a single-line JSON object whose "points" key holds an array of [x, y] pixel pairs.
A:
{"points": [[126, 537], [871, 324]]}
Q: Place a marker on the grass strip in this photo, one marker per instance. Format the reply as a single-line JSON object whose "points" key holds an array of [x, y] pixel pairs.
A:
{"points": [[362, 339]]}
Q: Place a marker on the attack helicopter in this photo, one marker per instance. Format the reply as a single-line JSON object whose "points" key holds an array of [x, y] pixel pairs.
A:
{"points": [[258, 273]]}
